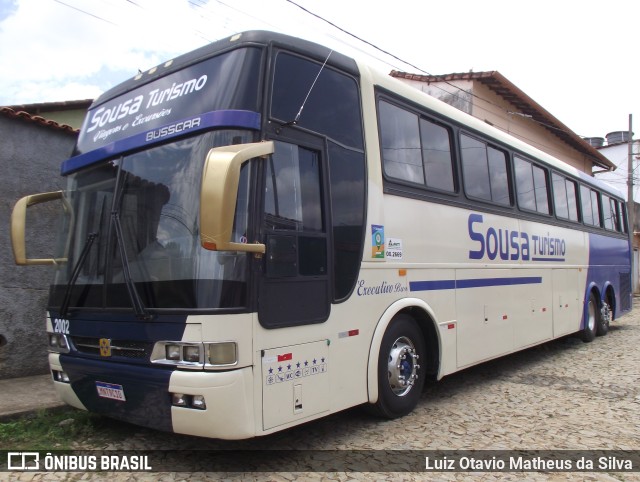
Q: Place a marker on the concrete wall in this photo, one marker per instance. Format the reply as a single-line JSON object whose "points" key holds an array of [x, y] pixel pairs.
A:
{"points": [[30, 157]]}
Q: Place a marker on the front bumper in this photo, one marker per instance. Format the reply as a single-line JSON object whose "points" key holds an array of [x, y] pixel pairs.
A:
{"points": [[147, 391]]}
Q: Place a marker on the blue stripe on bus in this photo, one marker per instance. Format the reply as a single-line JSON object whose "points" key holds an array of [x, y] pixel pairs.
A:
{"points": [[471, 283], [219, 118]]}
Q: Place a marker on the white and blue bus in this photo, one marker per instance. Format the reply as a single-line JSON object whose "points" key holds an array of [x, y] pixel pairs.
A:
{"points": [[262, 232]]}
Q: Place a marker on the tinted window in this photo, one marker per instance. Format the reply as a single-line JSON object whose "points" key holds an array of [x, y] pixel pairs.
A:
{"points": [[587, 209], [564, 196], [611, 214], [327, 101], [595, 204], [415, 149], [347, 174], [400, 137], [436, 155], [485, 171], [532, 186], [292, 195]]}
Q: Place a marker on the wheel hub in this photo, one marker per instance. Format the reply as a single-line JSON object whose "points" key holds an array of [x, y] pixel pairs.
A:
{"points": [[402, 366]]}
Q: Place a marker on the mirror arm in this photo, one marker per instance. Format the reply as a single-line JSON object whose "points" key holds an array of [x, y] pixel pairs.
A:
{"points": [[219, 195], [18, 227]]}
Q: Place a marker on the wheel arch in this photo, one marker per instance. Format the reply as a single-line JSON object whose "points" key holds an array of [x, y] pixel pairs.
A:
{"points": [[425, 318]]}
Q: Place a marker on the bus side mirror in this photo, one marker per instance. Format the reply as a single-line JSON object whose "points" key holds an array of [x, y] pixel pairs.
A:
{"points": [[219, 194], [18, 225]]}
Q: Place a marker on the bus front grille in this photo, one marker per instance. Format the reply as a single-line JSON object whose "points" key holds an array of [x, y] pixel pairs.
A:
{"points": [[138, 350]]}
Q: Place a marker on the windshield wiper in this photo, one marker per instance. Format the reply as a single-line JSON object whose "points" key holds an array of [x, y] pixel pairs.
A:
{"points": [[64, 307], [138, 307]]}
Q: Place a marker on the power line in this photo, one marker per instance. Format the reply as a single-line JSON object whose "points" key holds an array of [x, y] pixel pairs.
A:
{"points": [[86, 13], [386, 52]]}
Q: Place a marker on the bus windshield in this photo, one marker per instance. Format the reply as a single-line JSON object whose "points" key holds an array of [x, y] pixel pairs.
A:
{"points": [[152, 197]]}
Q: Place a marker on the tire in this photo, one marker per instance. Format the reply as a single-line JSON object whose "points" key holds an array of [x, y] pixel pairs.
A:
{"points": [[591, 321], [604, 319], [400, 376]]}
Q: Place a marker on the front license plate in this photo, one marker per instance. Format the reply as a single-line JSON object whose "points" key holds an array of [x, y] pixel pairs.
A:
{"points": [[110, 390]]}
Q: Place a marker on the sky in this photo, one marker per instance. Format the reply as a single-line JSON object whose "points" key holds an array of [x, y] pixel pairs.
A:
{"points": [[576, 58]]}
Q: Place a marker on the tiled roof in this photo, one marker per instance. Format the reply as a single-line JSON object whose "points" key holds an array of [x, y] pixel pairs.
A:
{"points": [[522, 104], [40, 107], [25, 116]]}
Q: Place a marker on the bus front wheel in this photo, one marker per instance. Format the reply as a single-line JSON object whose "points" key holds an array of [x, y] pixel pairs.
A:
{"points": [[400, 376]]}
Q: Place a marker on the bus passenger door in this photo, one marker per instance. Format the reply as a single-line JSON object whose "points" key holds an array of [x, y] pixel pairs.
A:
{"points": [[294, 287]]}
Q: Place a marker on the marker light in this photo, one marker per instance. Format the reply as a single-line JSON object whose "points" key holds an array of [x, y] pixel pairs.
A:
{"points": [[223, 353]]}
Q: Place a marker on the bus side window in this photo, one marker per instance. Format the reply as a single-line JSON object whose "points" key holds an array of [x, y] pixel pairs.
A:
{"points": [[484, 169], [436, 156], [587, 208], [565, 197], [400, 138], [607, 213], [595, 203], [532, 186]]}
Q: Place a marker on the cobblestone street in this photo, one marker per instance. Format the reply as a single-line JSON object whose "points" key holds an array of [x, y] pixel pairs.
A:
{"points": [[563, 395]]}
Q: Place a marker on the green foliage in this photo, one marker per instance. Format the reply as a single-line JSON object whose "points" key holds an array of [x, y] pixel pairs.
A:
{"points": [[50, 430]]}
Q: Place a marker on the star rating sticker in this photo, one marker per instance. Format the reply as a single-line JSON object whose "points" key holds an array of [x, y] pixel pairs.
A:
{"points": [[289, 366], [270, 371], [298, 365], [279, 369]]}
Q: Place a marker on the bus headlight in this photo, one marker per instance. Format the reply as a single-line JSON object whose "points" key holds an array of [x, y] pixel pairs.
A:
{"points": [[58, 343], [172, 352], [195, 356], [192, 353], [221, 354]]}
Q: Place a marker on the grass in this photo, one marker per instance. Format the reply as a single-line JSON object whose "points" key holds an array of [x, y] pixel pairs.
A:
{"points": [[53, 430]]}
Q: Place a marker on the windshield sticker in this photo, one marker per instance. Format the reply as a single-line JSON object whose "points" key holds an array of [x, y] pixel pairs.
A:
{"points": [[377, 241], [393, 249]]}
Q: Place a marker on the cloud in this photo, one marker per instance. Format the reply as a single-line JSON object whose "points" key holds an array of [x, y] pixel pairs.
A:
{"points": [[49, 48]]}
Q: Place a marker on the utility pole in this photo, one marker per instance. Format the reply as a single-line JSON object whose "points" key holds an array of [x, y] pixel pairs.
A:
{"points": [[631, 209]]}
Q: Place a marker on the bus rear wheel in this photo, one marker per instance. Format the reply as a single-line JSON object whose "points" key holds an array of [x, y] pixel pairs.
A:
{"points": [[592, 320], [604, 319], [400, 376]]}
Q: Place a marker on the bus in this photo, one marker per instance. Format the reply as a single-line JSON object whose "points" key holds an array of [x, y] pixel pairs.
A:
{"points": [[264, 231]]}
